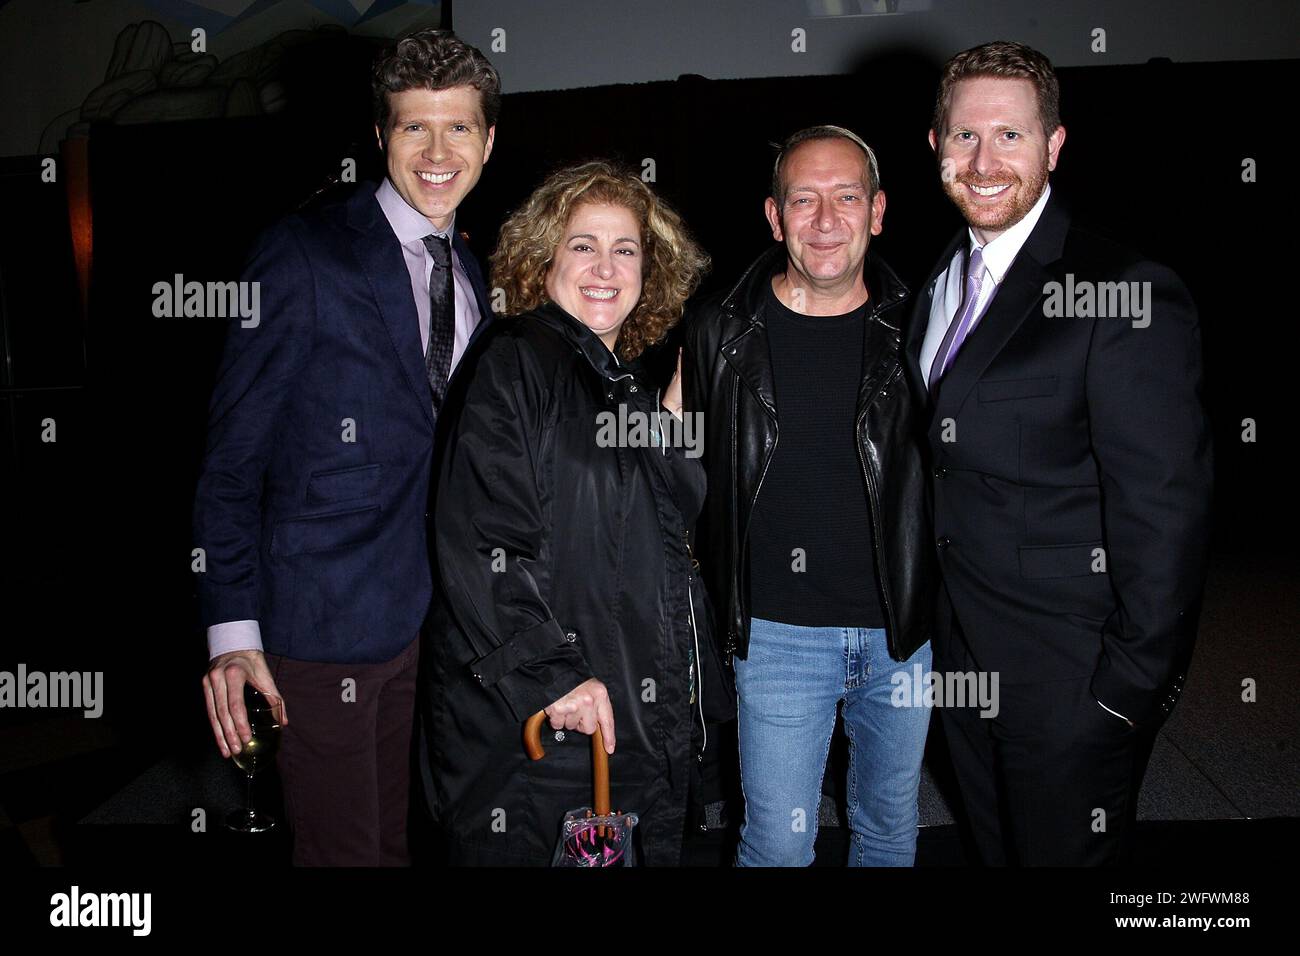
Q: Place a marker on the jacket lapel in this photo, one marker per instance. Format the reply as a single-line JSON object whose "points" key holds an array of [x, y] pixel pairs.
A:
{"points": [[747, 352], [749, 356], [879, 359], [1018, 297], [380, 256], [881, 337], [918, 320], [470, 264]]}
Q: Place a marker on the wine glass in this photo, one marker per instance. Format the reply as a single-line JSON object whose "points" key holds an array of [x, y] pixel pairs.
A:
{"points": [[255, 756]]}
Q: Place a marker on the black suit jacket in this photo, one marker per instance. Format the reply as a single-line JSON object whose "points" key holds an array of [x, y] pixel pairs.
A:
{"points": [[1071, 475]]}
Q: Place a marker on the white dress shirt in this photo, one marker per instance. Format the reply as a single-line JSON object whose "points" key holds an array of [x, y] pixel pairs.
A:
{"points": [[949, 287]]}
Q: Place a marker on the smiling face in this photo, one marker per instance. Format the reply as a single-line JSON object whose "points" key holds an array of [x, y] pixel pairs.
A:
{"points": [[826, 219], [437, 143], [596, 273], [994, 153]]}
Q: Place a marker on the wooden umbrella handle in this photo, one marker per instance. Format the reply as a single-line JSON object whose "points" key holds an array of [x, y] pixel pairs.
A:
{"points": [[599, 759], [600, 774], [533, 736]]}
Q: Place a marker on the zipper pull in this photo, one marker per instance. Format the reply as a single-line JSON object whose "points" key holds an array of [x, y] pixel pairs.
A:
{"points": [[695, 565]]}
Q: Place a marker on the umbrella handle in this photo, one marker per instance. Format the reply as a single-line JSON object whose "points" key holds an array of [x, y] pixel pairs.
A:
{"points": [[599, 759]]}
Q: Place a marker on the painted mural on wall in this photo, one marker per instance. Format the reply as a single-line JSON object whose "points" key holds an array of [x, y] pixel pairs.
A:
{"points": [[155, 77]]}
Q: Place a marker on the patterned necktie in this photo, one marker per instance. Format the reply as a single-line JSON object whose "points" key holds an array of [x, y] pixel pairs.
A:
{"points": [[442, 318], [965, 321]]}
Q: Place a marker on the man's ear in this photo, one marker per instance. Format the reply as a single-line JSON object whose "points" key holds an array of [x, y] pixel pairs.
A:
{"points": [[934, 141], [491, 138], [379, 138], [774, 219], [1054, 147]]}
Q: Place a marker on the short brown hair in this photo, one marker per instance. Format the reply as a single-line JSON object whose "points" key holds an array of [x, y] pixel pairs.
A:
{"points": [[433, 60], [822, 132], [672, 265], [1005, 59]]}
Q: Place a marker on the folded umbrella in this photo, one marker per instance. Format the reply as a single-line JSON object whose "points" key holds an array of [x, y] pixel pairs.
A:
{"points": [[589, 836]]}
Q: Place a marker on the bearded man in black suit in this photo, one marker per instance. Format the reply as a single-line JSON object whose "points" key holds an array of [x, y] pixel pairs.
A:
{"points": [[1071, 477]]}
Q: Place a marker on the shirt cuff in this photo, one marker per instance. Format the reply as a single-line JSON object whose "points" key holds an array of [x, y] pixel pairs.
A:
{"points": [[1109, 711], [233, 636]]}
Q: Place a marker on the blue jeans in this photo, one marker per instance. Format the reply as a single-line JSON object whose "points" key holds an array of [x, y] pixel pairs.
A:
{"points": [[789, 688]]}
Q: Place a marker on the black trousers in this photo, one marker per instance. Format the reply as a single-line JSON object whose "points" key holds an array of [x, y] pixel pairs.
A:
{"points": [[1052, 779]]}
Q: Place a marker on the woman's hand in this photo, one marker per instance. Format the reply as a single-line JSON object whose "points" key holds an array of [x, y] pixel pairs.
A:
{"points": [[585, 708], [672, 399]]}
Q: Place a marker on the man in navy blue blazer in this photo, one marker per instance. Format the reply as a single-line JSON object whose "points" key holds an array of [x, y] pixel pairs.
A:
{"points": [[311, 504]]}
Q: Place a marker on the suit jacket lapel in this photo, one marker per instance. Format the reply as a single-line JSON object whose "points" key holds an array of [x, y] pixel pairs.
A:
{"points": [[1018, 297], [919, 319], [380, 255], [471, 267]]}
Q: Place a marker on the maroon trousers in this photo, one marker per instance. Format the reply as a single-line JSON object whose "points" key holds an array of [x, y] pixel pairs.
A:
{"points": [[345, 758]]}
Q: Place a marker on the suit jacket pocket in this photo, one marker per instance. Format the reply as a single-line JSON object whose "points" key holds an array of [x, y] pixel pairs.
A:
{"points": [[1017, 388], [1058, 560], [323, 532], [342, 484]]}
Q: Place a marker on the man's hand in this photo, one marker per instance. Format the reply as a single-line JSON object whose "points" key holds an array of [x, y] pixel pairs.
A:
{"points": [[223, 691], [585, 708]]}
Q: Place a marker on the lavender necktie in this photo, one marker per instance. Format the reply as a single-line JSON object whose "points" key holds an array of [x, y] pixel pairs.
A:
{"points": [[965, 321]]}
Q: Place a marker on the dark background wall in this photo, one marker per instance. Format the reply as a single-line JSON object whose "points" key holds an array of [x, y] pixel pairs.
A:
{"points": [[54, 52], [558, 44], [96, 546]]}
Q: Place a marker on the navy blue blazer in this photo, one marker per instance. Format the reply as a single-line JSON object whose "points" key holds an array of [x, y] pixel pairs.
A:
{"points": [[312, 501]]}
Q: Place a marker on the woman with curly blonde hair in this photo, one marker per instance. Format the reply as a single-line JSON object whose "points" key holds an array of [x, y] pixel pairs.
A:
{"points": [[672, 264], [561, 518]]}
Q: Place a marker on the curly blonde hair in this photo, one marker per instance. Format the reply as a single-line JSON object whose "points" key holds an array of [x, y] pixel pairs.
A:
{"points": [[673, 264]]}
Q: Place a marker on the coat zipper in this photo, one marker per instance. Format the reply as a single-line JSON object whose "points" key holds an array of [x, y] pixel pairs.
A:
{"points": [[699, 667], [690, 598], [873, 499], [744, 543]]}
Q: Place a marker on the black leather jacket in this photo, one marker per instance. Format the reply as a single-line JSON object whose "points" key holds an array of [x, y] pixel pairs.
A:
{"points": [[727, 373]]}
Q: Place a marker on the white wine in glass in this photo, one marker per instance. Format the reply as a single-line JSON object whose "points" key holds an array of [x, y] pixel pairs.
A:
{"points": [[255, 756]]}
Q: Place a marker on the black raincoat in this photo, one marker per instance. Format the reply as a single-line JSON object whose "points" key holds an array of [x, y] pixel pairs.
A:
{"points": [[563, 557]]}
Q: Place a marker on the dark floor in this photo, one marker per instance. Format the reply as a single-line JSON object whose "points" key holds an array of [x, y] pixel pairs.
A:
{"points": [[1224, 780]]}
